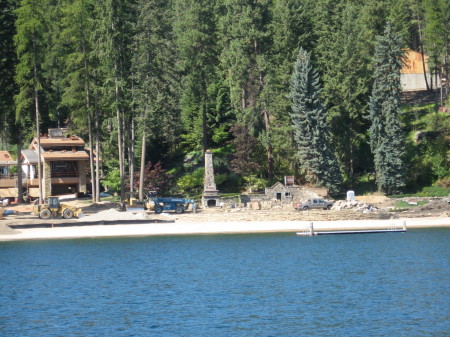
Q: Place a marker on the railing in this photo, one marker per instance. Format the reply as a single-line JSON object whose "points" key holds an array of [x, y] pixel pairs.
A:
{"points": [[8, 176], [68, 174]]}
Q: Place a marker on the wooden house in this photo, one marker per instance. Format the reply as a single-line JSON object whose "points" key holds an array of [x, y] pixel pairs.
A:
{"points": [[63, 163]]}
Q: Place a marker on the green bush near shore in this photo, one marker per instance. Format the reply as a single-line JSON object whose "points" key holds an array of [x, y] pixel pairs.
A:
{"points": [[428, 191]]}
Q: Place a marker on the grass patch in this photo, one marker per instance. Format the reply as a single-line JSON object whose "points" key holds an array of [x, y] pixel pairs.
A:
{"points": [[112, 199], [405, 204]]}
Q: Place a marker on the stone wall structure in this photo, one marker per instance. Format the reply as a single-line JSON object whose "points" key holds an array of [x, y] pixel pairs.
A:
{"points": [[211, 196], [46, 180]]}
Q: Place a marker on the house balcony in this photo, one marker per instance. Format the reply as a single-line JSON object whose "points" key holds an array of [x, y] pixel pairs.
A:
{"points": [[65, 177], [8, 180]]}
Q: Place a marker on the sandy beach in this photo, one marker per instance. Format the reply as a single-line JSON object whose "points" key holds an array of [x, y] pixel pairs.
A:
{"points": [[179, 227]]}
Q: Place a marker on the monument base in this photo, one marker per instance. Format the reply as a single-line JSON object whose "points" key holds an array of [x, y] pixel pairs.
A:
{"points": [[210, 199]]}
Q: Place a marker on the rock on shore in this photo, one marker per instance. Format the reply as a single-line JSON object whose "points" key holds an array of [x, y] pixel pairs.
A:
{"points": [[355, 205]]}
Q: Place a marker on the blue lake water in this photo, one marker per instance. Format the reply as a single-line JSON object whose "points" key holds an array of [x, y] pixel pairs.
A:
{"points": [[394, 284]]}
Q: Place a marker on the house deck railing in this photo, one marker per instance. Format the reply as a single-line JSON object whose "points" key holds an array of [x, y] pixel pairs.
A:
{"points": [[68, 174]]}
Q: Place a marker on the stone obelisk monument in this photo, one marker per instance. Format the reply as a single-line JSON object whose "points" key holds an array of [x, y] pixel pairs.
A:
{"points": [[211, 196]]}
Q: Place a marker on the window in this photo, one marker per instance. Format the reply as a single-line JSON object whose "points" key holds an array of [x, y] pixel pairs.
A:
{"points": [[63, 169], [287, 194]]}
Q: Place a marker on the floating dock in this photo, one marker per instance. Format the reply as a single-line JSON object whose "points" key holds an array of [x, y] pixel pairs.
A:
{"points": [[394, 229]]}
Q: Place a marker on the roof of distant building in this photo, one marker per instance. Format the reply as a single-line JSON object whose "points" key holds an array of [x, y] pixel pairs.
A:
{"points": [[68, 155], [30, 156], [6, 159], [412, 62], [50, 142]]}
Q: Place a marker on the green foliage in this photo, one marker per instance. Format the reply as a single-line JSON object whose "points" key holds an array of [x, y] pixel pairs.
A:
{"points": [[243, 161], [365, 184], [435, 156], [437, 33], [112, 181], [253, 183], [428, 191], [386, 139], [347, 76], [156, 178], [192, 183], [186, 71], [311, 132], [30, 25]]}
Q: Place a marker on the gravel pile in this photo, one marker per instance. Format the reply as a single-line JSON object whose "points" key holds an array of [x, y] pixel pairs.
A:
{"points": [[355, 205], [111, 214]]}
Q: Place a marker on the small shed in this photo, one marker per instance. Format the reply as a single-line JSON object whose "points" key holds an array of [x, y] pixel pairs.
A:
{"points": [[283, 193], [279, 191]]}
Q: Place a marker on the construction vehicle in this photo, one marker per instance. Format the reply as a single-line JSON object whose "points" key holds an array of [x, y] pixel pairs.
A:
{"points": [[159, 204], [53, 208]]}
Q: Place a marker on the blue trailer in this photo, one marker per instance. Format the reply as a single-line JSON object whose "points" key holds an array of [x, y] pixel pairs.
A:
{"points": [[159, 204]]}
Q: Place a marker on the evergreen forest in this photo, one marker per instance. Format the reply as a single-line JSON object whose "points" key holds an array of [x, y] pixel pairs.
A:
{"points": [[274, 88]]}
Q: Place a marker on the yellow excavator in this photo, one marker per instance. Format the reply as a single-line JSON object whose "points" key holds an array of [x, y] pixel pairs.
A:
{"points": [[53, 208]]}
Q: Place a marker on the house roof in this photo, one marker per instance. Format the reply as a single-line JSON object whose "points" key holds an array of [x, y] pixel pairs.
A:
{"points": [[6, 159], [30, 156], [277, 185], [413, 62], [49, 142], [68, 155]]}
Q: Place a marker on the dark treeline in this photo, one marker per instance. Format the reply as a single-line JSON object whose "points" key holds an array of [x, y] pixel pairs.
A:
{"points": [[152, 84]]}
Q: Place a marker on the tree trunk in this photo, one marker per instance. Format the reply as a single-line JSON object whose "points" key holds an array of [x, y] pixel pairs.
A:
{"points": [[119, 137], [131, 154], [89, 116], [38, 130], [204, 127], [269, 147], [424, 67], [97, 144], [19, 168], [142, 168]]}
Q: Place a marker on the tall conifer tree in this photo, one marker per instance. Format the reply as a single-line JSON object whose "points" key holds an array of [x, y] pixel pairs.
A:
{"points": [[311, 132], [386, 137], [30, 48]]}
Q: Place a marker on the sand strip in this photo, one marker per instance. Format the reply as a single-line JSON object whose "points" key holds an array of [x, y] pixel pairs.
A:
{"points": [[183, 228]]}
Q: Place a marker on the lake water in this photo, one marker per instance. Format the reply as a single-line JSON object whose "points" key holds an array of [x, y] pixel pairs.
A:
{"points": [[394, 284]]}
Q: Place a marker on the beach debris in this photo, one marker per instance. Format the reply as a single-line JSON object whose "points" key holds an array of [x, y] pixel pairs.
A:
{"points": [[355, 205], [112, 215]]}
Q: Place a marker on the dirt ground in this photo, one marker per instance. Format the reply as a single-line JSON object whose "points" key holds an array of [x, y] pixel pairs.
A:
{"points": [[385, 208]]}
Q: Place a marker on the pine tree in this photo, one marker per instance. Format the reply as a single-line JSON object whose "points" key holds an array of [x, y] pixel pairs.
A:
{"points": [[112, 41], [78, 67], [386, 139], [291, 24], [437, 36], [194, 30], [245, 44], [311, 132], [11, 131], [30, 48], [155, 98], [346, 76]]}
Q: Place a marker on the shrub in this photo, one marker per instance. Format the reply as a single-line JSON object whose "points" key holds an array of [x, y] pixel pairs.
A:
{"points": [[192, 182]]}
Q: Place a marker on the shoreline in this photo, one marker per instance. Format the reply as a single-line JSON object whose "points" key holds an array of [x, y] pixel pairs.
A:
{"points": [[180, 227]]}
